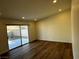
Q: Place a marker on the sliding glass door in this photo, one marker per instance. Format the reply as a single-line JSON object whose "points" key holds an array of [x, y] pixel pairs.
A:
{"points": [[13, 36], [24, 34], [17, 35]]}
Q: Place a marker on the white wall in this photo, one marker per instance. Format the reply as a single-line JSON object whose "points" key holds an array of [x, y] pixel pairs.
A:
{"points": [[75, 28], [55, 28]]}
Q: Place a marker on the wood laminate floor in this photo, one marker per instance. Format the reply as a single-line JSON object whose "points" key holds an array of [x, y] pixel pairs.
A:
{"points": [[41, 50]]}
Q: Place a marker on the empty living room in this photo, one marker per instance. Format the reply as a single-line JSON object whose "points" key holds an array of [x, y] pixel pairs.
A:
{"points": [[39, 29]]}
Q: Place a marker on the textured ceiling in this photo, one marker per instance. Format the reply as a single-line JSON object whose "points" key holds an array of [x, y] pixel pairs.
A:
{"points": [[31, 9]]}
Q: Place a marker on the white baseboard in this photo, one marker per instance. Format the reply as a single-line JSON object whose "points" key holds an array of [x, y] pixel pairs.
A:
{"points": [[3, 52], [55, 41]]}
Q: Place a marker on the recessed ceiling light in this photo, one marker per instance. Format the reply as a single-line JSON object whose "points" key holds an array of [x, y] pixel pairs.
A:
{"points": [[35, 19], [23, 17], [60, 10], [54, 1]]}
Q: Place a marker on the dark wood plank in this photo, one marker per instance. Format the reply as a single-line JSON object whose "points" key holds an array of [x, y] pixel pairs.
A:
{"points": [[41, 50]]}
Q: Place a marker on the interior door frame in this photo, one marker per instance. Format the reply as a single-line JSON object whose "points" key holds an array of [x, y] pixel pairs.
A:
{"points": [[20, 34]]}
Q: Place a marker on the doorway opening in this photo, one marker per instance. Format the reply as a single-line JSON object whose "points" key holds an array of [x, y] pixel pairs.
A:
{"points": [[17, 35]]}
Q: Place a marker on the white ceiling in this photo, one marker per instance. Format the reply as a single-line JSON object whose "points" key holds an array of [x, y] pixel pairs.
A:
{"points": [[31, 9]]}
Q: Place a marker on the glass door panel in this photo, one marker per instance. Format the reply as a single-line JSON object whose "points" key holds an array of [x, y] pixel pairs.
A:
{"points": [[24, 34], [14, 39]]}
